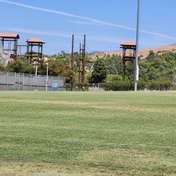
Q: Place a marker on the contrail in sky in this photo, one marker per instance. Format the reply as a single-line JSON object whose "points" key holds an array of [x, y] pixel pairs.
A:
{"points": [[86, 18], [66, 14]]}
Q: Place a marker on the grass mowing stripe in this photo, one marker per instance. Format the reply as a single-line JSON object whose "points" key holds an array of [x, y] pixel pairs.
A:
{"points": [[119, 132]]}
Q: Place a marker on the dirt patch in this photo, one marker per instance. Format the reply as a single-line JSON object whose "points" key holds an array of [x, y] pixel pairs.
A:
{"points": [[43, 169]]}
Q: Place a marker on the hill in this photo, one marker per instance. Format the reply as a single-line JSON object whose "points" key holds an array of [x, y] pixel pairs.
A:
{"points": [[143, 53]]}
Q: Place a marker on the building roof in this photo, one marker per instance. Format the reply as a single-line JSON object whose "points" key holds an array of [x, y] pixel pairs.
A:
{"points": [[35, 40], [128, 43], [9, 35]]}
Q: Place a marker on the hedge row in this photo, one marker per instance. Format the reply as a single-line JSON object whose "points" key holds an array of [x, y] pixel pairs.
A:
{"points": [[122, 86], [160, 85], [117, 86], [127, 85]]}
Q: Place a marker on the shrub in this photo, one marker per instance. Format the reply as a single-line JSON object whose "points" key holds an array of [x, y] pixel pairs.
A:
{"points": [[68, 86], [2, 67], [160, 85], [117, 86], [141, 85], [123, 85]]}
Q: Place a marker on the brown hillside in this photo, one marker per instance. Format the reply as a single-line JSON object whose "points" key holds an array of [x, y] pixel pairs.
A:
{"points": [[143, 53]]}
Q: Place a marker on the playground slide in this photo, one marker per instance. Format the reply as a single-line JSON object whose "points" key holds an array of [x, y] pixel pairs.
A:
{"points": [[3, 58]]}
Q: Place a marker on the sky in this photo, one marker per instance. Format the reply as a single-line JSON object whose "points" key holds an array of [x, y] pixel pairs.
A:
{"points": [[106, 23]]}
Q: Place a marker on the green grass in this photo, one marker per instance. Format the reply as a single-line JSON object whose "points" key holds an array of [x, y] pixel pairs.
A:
{"points": [[87, 133]]}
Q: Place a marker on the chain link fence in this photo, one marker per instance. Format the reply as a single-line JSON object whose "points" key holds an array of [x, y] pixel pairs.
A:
{"points": [[21, 81]]}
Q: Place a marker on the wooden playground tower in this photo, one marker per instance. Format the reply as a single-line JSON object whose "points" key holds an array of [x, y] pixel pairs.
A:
{"points": [[128, 59], [13, 48], [8, 40], [37, 55]]}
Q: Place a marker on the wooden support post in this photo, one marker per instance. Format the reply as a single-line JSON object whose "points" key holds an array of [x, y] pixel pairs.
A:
{"points": [[72, 54]]}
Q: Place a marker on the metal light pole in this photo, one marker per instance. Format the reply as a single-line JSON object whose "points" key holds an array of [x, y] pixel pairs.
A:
{"points": [[137, 43], [46, 76]]}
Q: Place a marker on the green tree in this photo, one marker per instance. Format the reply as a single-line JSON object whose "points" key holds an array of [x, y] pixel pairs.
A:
{"points": [[114, 64], [113, 78], [61, 68], [151, 55], [19, 66], [63, 56], [99, 71], [2, 67], [158, 67]]}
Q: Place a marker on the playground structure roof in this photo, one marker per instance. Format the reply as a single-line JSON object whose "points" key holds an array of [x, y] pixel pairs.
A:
{"points": [[9, 35], [35, 40], [128, 43]]}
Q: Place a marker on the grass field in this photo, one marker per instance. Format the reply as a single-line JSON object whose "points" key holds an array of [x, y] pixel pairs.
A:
{"points": [[93, 133]]}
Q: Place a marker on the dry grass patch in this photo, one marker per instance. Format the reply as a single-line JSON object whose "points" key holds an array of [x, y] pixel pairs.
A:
{"points": [[43, 169]]}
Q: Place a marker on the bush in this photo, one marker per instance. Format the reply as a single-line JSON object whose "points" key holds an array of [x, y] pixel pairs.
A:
{"points": [[123, 85], [2, 67], [68, 86], [141, 85], [117, 86], [160, 85], [112, 78]]}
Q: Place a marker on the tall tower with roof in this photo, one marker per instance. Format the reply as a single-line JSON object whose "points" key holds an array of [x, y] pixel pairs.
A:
{"points": [[128, 59], [36, 55], [9, 44]]}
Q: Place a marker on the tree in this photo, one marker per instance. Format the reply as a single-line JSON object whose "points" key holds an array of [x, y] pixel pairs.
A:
{"points": [[99, 71], [2, 67], [63, 56], [114, 64], [158, 67], [151, 55], [19, 66], [61, 68]]}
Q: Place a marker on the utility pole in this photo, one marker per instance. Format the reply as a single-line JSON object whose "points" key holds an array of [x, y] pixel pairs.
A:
{"points": [[137, 43]]}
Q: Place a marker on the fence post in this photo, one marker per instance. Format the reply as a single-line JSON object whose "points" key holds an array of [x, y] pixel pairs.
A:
{"points": [[18, 81], [38, 82], [7, 81], [14, 80], [22, 81], [31, 81]]}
